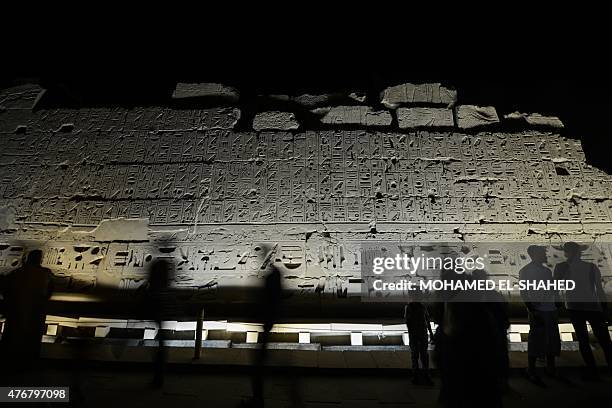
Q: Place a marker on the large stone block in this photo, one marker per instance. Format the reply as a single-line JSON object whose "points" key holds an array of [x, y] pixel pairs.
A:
{"points": [[394, 96], [472, 116], [356, 115], [536, 119], [275, 120], [205, 90], [410, 118], [314, 100]]}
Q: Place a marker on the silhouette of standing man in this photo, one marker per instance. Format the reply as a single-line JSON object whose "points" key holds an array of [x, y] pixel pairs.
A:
{"points": [[269, 308], [467, 348], [418, 324], [26, 291], [587, 302], [544, 339], [162, 306]]}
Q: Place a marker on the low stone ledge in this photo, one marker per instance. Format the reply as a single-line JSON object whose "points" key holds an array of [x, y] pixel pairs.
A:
{"points": [[205, 90], [535, 120], [411, 118]]}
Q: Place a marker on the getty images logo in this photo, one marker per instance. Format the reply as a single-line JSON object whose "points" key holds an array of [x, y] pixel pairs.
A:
{"points": [[412, 264]]}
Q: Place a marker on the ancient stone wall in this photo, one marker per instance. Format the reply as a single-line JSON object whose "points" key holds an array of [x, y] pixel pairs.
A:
{"points": [[104, 191]]}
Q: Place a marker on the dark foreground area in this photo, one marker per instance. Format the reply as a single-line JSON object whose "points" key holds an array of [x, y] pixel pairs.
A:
{"points": [[129, 385]]}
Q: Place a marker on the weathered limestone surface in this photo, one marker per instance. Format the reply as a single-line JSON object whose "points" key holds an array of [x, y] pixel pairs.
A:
{"points": [[536, 119], [411, 118], [309, 100], [471, 116], [358, 96], [395, 96], [117, 120], [205, 90], [312, 101], [275, 120], [118, 188], [7, 218], [20, 97], [356, 115]]}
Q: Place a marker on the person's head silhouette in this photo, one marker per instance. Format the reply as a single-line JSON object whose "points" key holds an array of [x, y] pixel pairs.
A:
{"points": [[34, 258], [572, 250], [537, 253]]}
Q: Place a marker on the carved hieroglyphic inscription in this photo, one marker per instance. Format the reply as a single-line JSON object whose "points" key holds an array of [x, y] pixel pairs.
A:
{"points": [[220, 176], [211, 194]]}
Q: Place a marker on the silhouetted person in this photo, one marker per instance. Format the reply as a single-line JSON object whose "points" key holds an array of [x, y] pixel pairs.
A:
{"points": [[587, 302], [418, 323], [497, 307], [544, 339], [466, 349], [26, 291], [161, 304], [269, 307]]}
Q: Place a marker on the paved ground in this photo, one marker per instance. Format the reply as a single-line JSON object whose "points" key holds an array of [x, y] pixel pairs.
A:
{"points": [[129, 385]]}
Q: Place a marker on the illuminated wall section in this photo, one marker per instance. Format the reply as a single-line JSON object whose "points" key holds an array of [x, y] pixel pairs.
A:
{"points": [[106, 190]]}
